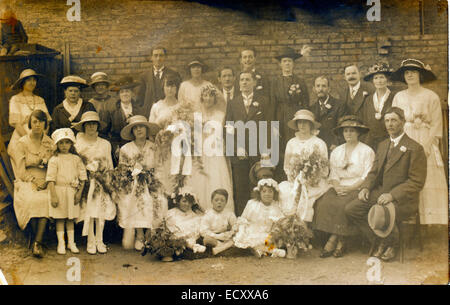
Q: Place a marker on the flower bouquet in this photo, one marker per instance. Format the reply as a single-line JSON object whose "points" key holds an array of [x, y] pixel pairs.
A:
{"points": [[163, 243], [310, 164], [290, 232]]}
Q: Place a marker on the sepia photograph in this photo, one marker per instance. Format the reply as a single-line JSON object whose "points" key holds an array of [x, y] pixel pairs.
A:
{"points": [[211, 143]]}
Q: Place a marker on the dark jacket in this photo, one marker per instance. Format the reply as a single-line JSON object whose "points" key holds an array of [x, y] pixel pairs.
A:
{"points": [[60, 116], [12, 34], [354, 105]]}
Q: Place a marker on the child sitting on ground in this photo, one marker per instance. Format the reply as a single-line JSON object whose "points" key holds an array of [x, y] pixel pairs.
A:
{"points": [[256, 221], [217, 225]]}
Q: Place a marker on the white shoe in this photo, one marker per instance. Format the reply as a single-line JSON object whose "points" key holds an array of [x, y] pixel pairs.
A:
{"points": [[199, 248], [91, 248], [278, 253], [73, 248], [139, 245], [61, 249], [101, 247]]}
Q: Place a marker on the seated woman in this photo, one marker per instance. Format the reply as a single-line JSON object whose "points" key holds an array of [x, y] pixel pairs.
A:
{"points": [[73, 106], [255, 223], [30, 193], [349, 163]]}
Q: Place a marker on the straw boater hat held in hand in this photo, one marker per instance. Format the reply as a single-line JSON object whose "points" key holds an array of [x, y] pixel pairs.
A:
{"points": [[381, 219], [413, 64], [126, 132], [288, 52], [350, 121], [303, 114], [126, 82], [98, 78], [73, 80], [63, 133], [23, 76], [88, 116], [377, 68]]}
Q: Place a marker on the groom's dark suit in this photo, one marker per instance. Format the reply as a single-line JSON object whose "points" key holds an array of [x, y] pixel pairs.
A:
{"points": [[402, 174], [236, 111]]}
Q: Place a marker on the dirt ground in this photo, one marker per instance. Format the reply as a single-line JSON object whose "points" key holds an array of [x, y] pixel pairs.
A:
{"points": [[125, 267]]}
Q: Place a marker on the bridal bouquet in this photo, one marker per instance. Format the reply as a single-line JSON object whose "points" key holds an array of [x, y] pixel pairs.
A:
{"points": [[290, 232], [163, 243], [310, 165]]}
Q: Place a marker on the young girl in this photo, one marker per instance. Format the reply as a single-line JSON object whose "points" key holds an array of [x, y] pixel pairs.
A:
{"points": [[183, 222], [217, 225], [66, 176], [256, 221]]}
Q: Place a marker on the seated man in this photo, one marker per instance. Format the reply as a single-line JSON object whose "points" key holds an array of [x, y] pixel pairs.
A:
{"points": [[397, 175]]}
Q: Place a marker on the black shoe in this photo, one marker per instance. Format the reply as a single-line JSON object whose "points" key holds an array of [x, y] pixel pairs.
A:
{"points": [[37, 250], [324, 254], [389, 254], [339, 252], [381, 249]]}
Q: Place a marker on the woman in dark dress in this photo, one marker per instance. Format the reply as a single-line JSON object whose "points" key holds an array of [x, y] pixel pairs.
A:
{"points": [[377, 104], [288, 94], [349, 165], [73, 106]]}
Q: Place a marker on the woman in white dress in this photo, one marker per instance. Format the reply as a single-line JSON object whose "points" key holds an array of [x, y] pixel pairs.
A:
{"points": [[190, 90], [304, 143], [98, 205], [20, 107], [216, 170], [349, 165], [423, 114]]}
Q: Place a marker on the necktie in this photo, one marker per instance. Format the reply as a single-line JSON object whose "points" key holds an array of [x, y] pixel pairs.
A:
{"points": [[159, 74], [353, 92], [391, 148], [227, 96]]}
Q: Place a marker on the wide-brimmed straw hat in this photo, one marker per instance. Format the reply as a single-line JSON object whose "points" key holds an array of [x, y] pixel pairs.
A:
{"points": [[88, 116], [197, 61], [414, 64], [23, 76], [126, 132], [381, 219], [73, 80], [288, 52], [126, 82], [351, 121], [63, 133], [303, 114], [99, 77], [378, 68]]}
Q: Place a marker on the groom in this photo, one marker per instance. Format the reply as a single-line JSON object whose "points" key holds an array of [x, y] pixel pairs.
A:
{"points": [[249, 107]]}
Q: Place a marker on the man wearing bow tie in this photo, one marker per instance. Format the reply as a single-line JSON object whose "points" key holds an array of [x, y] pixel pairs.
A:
{"points": [[398, 175], [151, 87], [356, 92], [226, 81], [247, 108], [327, 111]]}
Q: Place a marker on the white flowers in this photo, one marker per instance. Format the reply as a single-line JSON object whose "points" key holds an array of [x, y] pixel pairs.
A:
{"points": [[294, 88], [378, 116], [258, 77], [403, 148], [256, 104], [259, 87], [365, 93], [137, 169], [328, 106]]}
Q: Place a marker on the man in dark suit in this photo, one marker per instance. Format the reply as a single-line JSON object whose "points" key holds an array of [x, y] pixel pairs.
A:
{"points": [[397, 175], [227, 83], [248, 64], [355, 94], [327, 111], [243, 115], [151, 87]]}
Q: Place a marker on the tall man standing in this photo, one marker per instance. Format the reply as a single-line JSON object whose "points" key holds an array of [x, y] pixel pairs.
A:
{"points": [[356, 92], [397, 177], [151, 87], [248, 64]]}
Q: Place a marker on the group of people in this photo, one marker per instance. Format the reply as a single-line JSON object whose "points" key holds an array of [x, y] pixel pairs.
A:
{"points": [[357, 164]]}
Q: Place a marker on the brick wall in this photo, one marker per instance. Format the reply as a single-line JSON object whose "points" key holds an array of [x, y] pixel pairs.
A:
{"points": [[116, 36]]}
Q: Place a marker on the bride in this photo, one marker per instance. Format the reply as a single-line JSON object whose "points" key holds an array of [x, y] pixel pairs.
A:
{"points": [[216, 170]]}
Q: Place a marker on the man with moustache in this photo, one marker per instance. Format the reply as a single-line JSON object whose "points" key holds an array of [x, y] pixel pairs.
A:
{"points": [[327, 111], [151, 88], [397, 176], [226, 83], [356, 92], [250, 107]]}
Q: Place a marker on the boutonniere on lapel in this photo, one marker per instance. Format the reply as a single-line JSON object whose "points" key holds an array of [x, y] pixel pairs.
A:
{"points": [[258, 76], [328, 106], [255, 104], [365, 93], [378, 116], [294, 89], [259, 87], [403, 148]]}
